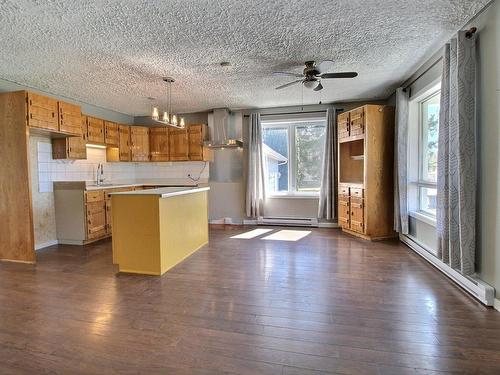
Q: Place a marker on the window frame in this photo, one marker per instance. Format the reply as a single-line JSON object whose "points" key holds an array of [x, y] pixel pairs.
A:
{"points": [[291, 124], [416, 153]]}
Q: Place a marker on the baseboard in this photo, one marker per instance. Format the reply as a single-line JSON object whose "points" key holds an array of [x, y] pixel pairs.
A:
{"points": [[250, 222], [496, 304], [483, 292], [224, 221], [46, 244], [328, 225]]}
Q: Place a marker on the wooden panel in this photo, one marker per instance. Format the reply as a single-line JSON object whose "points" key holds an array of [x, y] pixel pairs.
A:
{"points": [[124, 142], [343, 125], [70, 118], [139, 142], [84, 127], [95, 130], [94, 196], [357, 214], [96, 219], [111, 133], [158, 144], [196, 136], [344, 213], [42, 112], [16, 229], [178, 144], [357, 126], [72, 147]]}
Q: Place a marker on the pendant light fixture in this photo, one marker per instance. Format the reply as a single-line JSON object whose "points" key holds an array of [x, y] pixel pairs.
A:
{"points": [[167, 117]]}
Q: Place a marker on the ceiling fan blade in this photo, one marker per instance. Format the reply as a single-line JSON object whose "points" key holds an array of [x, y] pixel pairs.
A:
{"points": [[319, 87], [288, 84], [324, 66], [288, 74], [339, 75]]}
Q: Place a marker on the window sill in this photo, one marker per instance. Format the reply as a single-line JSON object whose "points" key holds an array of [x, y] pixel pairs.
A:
{"points": [[423, 217], [293, 196]]}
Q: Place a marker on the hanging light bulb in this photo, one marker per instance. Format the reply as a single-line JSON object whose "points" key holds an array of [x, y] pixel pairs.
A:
{"points": [[182, 124], [174, 120], [165, 117], [155, 115]]}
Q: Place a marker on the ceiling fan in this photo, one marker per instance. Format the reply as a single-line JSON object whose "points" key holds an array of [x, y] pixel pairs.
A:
{"points": [[313, 74]]}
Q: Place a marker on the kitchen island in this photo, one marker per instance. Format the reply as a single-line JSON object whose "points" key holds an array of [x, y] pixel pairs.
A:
{"points": [[153, 230]]}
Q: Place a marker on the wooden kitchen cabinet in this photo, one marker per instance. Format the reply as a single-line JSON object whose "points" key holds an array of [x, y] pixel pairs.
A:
{"points": [[124, 142], [111, 133], [158, 144], [95, 130], [197, 134], [70, 118], [72, 148], [178, 144], [42, 112], [139, 143], [96, 219]]}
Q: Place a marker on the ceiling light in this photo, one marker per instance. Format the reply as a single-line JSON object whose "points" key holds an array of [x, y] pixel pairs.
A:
{"points": [[310, 84], [167, 118]]}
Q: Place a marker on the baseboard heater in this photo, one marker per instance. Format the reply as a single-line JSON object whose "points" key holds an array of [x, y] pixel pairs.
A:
{"points": [[477, 288], [291, 221]]}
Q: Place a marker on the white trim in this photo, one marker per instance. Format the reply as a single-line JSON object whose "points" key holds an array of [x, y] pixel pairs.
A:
{"points": [[328, 224], [250, 222], [496, 304], [226, 221], [43, 245], [423, 217], [291, 195], [289, 220], [477, 288]]}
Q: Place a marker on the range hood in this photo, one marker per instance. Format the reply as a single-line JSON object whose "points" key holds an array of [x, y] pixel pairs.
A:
{"points": [[223, 126]]}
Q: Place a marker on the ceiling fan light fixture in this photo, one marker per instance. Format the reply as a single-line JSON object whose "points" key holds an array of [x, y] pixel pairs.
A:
{"points": [[310, 84]]}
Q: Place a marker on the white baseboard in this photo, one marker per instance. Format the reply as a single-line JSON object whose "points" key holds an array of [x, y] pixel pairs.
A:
{"points": [[328, 225], [250, 222], [496, 304], [39, 246], [485, 293]]}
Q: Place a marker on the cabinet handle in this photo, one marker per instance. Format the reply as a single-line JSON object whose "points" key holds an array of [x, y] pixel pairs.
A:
{"points": [[53, 115]]}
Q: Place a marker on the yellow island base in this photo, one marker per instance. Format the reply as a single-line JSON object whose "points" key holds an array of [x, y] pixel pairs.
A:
{"points": [[153, 230]]}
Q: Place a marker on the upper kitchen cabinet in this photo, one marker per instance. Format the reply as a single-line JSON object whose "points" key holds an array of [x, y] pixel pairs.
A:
{"points": [[95, 130], [178, 144], [158, 144], [42, 112], [70, 118], [197, 134], [124, 143], [111, 134], [71, 147], [139, 143]]}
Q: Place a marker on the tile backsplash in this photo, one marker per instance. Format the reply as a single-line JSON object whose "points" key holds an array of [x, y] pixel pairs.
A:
{"points": [[50, 170]]}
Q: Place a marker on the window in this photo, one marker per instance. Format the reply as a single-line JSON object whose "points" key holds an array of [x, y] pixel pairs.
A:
{"points": [[293, 156], [424, 126]]}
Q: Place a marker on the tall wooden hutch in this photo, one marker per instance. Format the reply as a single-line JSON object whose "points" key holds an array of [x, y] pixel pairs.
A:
{"points": [[365, 171]]}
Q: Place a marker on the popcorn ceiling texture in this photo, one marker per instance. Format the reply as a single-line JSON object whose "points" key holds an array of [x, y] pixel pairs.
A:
{"points": [[114, 53]]}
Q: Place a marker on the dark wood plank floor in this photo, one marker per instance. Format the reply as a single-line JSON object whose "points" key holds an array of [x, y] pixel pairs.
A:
{"points": [[326, 304]]}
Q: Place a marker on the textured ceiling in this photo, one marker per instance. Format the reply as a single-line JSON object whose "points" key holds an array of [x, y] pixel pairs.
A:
{"points": [[114, 53]]}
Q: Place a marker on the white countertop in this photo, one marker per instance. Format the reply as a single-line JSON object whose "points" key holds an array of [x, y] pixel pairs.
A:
{"points": [[165, 192], [90, 185]]}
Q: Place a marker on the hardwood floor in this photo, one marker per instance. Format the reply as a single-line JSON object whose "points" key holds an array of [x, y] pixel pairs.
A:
{"points": [[327, 303]]}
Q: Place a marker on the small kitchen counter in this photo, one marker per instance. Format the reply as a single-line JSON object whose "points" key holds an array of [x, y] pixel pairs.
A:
{"points": [[155, 229]]}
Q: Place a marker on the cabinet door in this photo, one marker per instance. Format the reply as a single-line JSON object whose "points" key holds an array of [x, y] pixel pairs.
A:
{"points": [[42, 112], [70, 147], [96, 219], [95, 130], [139, 142], [178, 144], [124, 142], [357, 214], [158, 144], [343, 211], [84, 128], [343, 125], [196, 136], [111, 134], [357, 126], [109, 228], [77, 148], [70, 118]]}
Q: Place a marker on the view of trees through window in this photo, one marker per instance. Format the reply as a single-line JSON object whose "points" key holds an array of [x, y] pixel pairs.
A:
{"points": [[293, 156]]}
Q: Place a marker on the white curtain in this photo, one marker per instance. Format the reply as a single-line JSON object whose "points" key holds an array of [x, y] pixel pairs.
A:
{"points": [[401, 162], [327, 208], [456, 175], [255, 180]]}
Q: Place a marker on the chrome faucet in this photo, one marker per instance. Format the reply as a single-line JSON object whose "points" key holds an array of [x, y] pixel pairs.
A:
{"points": [[99, 174]]}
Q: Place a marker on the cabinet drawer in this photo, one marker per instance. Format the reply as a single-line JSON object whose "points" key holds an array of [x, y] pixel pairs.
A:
{"points": [[357, 226], [357, 192], [94, 196], [343, 190]]}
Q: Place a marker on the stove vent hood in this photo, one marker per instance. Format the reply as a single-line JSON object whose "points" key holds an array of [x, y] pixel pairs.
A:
{"points": [[225, 129]]}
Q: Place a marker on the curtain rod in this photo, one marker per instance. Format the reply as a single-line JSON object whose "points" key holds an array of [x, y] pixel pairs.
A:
{"points": [[296, 113], [468, 34]]}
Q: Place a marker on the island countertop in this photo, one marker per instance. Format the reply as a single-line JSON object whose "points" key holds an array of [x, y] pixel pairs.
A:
{"points": [[165, 192]]}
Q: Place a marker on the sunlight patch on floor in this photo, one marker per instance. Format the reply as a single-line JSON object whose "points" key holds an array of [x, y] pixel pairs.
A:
{"points": [[252, 234], [288, 235]]}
